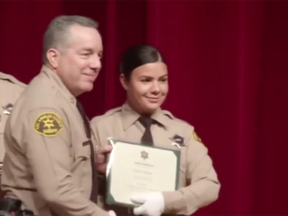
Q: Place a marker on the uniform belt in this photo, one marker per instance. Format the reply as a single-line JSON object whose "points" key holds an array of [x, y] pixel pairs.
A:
{"points": [[13, 207], [10, 205]]}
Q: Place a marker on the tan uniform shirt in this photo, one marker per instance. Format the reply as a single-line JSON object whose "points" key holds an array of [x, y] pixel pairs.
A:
{"points": [[198, 182], [47, 163], [10, 90]]}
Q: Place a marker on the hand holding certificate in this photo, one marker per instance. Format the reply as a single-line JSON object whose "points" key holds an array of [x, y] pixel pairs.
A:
{"points": [[135, 168]]}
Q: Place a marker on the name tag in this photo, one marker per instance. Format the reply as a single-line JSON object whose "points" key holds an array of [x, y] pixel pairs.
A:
{"points": [[88, 142]]}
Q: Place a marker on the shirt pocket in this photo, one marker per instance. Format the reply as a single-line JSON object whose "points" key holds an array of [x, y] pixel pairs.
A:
{"points": [[83, 150], [82, 156], [81, 169]]}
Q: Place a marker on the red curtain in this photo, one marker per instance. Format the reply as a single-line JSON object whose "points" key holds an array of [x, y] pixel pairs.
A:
{"points": [[228, 77]]}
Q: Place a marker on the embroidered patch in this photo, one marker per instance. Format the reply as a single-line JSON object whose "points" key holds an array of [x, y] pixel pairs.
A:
{"points": [[48, 124]]}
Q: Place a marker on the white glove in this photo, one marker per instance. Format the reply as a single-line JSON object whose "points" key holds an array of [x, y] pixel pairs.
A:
{"points": [[111, 213], [151, 204]]}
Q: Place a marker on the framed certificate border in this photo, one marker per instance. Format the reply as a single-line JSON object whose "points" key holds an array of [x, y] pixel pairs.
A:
{"points": [[109, 196]]}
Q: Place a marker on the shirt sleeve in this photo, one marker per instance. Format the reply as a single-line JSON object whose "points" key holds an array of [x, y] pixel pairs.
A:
{"points": [[203, 187], [47, 143]]}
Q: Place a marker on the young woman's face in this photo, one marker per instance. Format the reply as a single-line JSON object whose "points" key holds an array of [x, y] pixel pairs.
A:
{"points": [[148, 87]]}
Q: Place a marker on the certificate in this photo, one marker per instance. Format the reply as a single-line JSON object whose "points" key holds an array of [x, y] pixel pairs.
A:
{"points": [[136, 168]]}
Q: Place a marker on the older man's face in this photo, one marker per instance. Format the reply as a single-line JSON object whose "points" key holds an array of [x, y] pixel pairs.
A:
{"points": [[79, 61]]}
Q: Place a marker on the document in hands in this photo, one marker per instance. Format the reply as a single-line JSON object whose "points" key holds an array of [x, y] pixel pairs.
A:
{"points": [[136, 168]]}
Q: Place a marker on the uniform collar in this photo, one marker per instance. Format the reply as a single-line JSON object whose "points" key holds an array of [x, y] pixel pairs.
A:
{"points": [[129, 117], [58, 83]]}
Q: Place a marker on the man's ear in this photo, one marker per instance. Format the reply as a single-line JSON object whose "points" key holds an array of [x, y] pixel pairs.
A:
{"points": [[53, 57], [123, 81]]}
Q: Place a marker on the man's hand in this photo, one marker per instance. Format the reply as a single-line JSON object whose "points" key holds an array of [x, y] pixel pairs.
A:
{"points": [[101, 158], [151, 204]]}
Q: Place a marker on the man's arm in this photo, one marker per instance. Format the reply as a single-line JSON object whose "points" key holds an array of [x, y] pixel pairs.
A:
{"points": [[50, 162], [204, 185]]}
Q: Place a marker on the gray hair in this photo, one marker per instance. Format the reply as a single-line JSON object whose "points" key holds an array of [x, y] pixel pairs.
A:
{"points": [[56, 31]]}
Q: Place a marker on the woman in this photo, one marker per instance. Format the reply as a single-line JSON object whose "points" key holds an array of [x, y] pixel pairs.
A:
{"points": [[144, 76]]}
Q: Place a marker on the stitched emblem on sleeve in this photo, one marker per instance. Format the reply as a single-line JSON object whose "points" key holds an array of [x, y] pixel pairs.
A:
{"points": [[48, 124]]}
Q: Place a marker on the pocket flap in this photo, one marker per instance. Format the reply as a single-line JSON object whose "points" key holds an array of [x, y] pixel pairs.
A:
{"points": [[83, 149]]}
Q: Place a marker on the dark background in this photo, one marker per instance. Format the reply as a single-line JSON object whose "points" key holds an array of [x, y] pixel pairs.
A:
{"points": [[228, 75]]}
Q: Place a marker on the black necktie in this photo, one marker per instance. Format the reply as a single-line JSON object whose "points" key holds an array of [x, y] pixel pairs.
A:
{"points": [[94, 192], [147, 136]]}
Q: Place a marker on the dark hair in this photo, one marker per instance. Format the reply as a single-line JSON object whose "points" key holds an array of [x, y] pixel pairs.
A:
{"points": [[56, 32], [138, 55]]}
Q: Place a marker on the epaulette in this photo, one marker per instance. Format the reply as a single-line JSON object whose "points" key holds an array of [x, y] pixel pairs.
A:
{"points": [[112, 111], [169, 114], [183, 121], [12, 79]]}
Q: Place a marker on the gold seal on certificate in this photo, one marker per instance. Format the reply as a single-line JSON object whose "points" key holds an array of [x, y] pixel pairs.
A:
{"points": [[136, 168]]}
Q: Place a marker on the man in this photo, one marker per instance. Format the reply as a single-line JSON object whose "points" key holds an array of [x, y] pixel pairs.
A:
{"points": [[49, 161], [10, 89]]}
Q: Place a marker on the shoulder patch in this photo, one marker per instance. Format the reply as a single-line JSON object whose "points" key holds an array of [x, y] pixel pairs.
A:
{"points": [[12, 79], [99, 118], [112, 111], [48, 124]]}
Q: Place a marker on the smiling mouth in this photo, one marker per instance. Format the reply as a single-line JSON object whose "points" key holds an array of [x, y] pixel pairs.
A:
{"points": [[90, 75], [153, 99]]}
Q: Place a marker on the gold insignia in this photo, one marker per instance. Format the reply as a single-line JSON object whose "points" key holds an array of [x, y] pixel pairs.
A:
{"points": [[144, 155], [196, 137], [48, 124], [8, 109]]}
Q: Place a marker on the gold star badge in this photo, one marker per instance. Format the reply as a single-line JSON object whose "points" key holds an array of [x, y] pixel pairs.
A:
{"points": [[48, 124], [144, 155]]}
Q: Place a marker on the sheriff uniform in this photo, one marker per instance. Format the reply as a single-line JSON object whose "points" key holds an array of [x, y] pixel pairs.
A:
{"points": [[199, 185], [49, 161], [10, 90]]}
